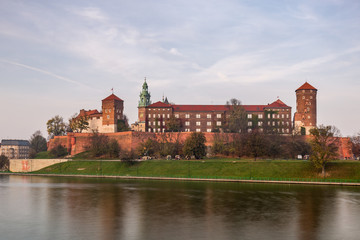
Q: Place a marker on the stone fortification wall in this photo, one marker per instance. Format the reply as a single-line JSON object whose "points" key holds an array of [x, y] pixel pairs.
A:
{"points": [[29, 165], [78, 142]]}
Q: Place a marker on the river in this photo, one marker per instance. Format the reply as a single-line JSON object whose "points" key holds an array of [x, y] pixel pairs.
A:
{"points": [[82, 208]]}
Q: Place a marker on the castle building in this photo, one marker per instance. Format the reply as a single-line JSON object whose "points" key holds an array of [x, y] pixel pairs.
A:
{"points": [[305, 116], [15, 149], [159, 116], [105, 121]]}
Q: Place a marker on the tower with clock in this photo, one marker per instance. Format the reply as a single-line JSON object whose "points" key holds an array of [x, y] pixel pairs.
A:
{"points": [[305, 116]]}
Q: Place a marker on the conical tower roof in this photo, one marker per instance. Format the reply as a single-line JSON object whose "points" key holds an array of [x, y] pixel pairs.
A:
{"points": [[306, 86]]}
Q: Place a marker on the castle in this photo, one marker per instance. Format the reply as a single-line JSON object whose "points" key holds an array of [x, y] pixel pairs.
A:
{"points": [[158, 117], [274, 118], [163, 116]]}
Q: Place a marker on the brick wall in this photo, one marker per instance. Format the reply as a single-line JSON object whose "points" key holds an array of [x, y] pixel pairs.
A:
{"points": [[78, 142]]}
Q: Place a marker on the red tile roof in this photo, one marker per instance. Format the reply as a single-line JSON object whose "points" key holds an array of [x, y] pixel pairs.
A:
{"points": [[200, 108], [216, 108], [159, 105], [112, 97], [88, 113], [306, 86], [254, 108], [278, 104]]}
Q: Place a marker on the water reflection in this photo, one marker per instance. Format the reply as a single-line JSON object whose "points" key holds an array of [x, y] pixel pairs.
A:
{"points": [[75, 208]]}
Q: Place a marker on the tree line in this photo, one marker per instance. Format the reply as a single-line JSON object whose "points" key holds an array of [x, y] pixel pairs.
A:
{"points": [[56, 126]]}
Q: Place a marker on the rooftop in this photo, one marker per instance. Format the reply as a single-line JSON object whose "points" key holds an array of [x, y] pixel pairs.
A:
{"points": [[14, 142], [306, 86], [112, 97]]}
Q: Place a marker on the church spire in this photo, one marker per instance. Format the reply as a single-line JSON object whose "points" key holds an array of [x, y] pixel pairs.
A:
{"points": [[144, 95]]}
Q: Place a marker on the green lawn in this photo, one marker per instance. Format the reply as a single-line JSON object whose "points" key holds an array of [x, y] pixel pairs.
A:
{"points": [[219, 168]]}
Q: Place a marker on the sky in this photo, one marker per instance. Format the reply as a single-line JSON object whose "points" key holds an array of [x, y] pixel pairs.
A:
{"points": [[57, 57]]}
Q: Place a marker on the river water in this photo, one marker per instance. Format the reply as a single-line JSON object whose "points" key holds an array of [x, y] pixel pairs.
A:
{"points": [[80, 208]]}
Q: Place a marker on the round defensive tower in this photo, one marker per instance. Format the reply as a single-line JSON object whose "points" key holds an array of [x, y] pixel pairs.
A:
{"points": [[305, 117]]}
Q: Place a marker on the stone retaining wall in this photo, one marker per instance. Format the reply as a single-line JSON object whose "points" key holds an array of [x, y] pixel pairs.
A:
{"points": [[29, 165]]}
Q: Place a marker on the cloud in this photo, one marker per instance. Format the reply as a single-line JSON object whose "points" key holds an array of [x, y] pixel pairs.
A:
{"points": [[91, 13], [175, 52]]}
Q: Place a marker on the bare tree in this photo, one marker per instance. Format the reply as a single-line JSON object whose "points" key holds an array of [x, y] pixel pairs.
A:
{"points": [[324, 146]]}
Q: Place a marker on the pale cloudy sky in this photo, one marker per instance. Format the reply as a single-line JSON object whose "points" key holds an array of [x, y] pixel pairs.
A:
{"points": [[57, 57]]}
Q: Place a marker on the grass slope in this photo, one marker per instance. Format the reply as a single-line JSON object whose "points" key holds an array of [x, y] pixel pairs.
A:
{"points": [[219, 168]]}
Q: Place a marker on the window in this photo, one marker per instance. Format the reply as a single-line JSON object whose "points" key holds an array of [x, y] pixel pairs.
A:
{"points": [[198, 123], [187, 130], [260, 124], [249, 115], [197, 115], [163, 115], [287, 115], [287, 123], [282, 115], [218, 123], [208, 115], [109, 110], [187, 123], [149, 115], [208, 123], [198, 130], [154, 115], [303, 97], [168, 116], [208, 130], [260, 116], [149, 130], [177, 115], [249, 124], [187, 115], [311, 97], [163, 123], [108, 116], [269, 116], [249, 130], [287, 130], [273, 123], [218, 115], [274, 115], [159, 116], [308, 117]]}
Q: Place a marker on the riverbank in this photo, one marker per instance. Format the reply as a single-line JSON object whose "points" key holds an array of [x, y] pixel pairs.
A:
{"points": [[211, 169], [240, 180]]}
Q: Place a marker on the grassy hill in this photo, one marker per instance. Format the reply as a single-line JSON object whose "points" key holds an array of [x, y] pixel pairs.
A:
{"points": [[211, 168]]}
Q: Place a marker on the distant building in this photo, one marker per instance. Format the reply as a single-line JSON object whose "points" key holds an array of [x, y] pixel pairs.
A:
{"points": [[105, 121], [15, 149], [208, 118], [305, 117]]}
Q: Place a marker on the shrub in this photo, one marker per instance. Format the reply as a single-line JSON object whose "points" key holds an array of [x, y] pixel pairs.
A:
{"points": [[113, 148], [58, 151], [195, 145]]}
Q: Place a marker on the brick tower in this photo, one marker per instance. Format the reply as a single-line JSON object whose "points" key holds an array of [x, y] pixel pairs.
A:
{"points": [[112, 111], [305, 116]]}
